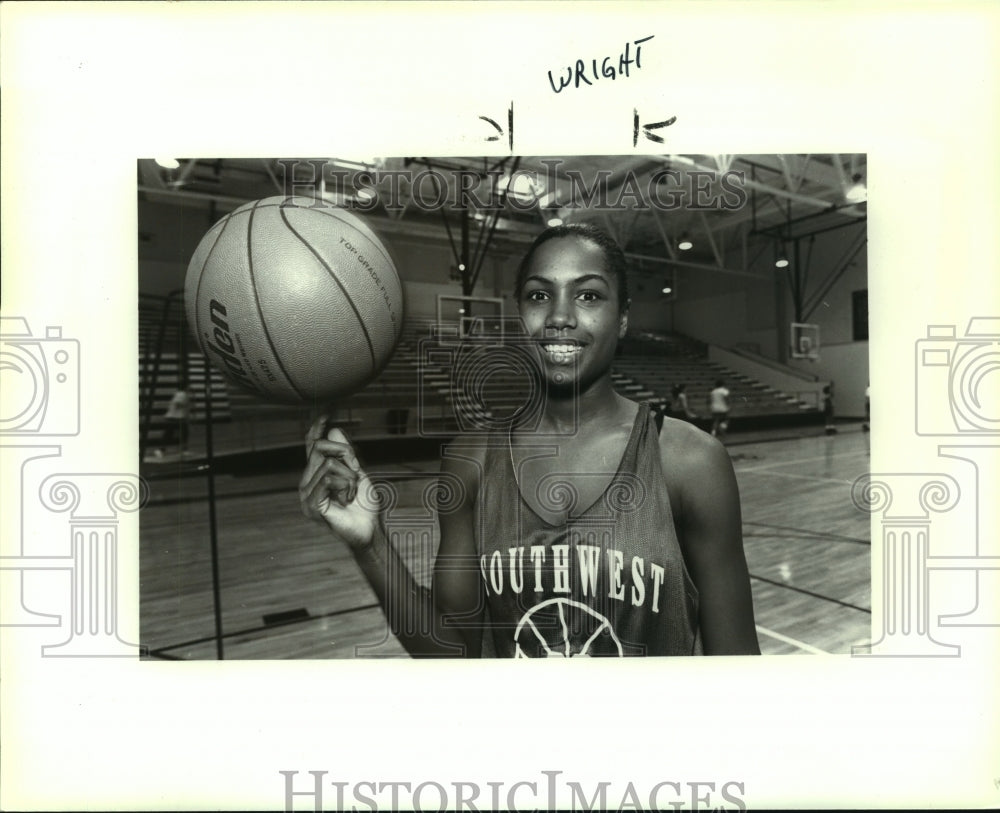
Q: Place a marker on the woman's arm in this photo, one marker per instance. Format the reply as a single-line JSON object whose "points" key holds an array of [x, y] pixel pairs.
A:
{"points": [[457, 584], [335, 489], [709, 526]]}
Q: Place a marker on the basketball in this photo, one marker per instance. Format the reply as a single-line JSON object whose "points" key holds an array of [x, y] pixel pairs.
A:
{"points": [[295, 300]]}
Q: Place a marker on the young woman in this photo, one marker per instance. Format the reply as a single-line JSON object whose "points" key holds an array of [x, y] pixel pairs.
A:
{"points": [[583, 534], [718, 406], [679, 407]]}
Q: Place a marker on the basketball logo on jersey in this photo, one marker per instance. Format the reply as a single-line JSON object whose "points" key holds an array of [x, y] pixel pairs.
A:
{"points": [[563, 628]]}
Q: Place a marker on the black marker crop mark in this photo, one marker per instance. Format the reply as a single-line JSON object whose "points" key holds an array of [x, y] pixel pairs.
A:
{"points": [[499, 129], [647, 127]]}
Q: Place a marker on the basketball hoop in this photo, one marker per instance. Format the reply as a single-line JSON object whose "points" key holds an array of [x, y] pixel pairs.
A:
{"points": [[804, 341]]}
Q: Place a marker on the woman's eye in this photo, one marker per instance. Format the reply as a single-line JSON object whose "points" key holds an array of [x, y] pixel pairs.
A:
{"points": [[590, 296], [535, 296]]}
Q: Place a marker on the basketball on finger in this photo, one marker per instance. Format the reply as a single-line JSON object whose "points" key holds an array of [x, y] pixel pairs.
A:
{"points": [[294, 299]]}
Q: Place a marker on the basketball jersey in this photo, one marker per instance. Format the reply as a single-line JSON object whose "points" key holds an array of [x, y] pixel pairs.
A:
{"points": [[610, 581]]}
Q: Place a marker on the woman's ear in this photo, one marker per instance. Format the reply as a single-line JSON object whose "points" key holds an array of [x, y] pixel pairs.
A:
{"points": [[623, 320]]}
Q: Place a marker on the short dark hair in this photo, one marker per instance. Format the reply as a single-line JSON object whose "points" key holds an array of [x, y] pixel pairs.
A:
{"points": [[614, 258]]}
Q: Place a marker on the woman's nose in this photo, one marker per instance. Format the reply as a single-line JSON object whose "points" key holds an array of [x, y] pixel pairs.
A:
{"points": [[561, 313]]}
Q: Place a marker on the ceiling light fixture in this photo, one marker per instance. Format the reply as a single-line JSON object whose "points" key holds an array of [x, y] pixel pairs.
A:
{"points": [[685, 243], [554, 221], [521, 186], [167, 163], [858, 193], [781, 263]]}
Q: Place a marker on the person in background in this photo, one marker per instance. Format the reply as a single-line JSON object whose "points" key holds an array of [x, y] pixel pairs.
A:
{"points": [[866, 426], [679, 404], [829, 426], [178, 412], [718, 405]]}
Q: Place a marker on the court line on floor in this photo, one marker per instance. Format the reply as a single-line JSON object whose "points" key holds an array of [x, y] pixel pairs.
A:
{"points": [[289, 488], [803, 536], [810, 593], [795, 476], [858, 453], [262, 628], [786, 639], [809, 532]]}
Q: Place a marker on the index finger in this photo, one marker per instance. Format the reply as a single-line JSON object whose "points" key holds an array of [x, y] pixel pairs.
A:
{"points": [[317, 431], [337, 435]]}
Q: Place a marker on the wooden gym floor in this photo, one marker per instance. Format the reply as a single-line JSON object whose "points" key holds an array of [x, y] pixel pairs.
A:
{"points": [[289, 590]]}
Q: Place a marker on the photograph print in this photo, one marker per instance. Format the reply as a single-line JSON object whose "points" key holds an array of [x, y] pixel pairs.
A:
{"points": [[527, 406]]}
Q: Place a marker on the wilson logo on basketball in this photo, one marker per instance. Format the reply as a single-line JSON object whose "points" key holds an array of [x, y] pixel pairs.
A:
{"points": [[225, 348]]}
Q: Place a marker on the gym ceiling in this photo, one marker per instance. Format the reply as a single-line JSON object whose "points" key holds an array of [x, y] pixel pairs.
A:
{"points": [[725, 206]]}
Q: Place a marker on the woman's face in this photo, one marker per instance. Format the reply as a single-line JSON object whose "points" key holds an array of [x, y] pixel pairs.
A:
{"points": [[569, 304]]}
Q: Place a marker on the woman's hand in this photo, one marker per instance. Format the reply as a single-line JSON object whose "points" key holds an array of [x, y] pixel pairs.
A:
{"points": [[335, 489]]}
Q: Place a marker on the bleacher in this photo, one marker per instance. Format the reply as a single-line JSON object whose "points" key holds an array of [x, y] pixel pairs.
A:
{"points": [[649, 365], [431, 386], [168, 354], [419, 393], [385, 407]]}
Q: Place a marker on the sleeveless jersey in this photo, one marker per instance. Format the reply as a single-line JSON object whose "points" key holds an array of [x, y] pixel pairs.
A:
{"points": [[610, 581]]}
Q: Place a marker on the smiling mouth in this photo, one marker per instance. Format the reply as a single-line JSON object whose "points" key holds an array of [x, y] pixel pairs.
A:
{"points": [[561, 353]]}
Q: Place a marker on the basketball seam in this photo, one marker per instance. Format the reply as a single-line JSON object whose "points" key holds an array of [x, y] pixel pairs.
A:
{"points": [[375, 243], [332, 211], [240, 210], [328, 211], [260, 312], [201, 279], [347, 296]]}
